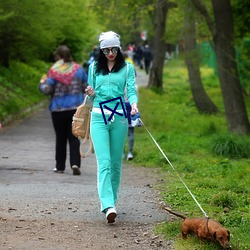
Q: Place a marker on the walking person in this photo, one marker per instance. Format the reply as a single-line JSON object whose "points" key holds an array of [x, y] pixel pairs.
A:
{"points": [[147, 54], [108, 78], [65, 84], [131, 129]]}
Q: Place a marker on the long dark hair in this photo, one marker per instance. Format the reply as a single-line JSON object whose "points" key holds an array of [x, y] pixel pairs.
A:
{"points": [[102, 67]]}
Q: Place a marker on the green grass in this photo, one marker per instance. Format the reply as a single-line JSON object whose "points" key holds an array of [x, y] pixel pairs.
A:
{"points": [[214, 164], [19, 88]]}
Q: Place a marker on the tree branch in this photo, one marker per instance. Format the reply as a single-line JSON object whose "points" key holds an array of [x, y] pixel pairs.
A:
{"points": [[202, 9]]}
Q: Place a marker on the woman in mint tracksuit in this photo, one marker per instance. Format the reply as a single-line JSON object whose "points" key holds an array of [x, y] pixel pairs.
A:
{"points": [[108, 77]]}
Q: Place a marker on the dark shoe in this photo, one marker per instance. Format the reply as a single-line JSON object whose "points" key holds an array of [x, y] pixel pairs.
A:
{"points": [[58, 171], [76, 170], [111, 214]]}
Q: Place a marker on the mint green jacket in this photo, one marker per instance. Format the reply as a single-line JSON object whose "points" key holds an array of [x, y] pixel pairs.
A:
{"points": [[113, 85]]}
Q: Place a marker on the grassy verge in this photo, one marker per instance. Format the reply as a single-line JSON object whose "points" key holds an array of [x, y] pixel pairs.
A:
{"points": [[214, 164], [19, 89]]}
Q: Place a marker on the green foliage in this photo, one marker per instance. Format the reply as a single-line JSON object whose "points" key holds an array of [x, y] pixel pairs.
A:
{"points": [[174, 25], [241, 17], [224, 200], [19, 87], [128, 18], [170, 230], [29, 33], [175, 28], [219, 183], [231, 146], [243, 59]]}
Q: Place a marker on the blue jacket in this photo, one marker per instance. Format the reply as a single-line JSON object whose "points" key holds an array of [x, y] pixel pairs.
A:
{"points": [[65, 97]]}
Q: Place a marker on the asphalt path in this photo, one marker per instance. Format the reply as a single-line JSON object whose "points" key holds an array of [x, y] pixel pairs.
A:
{"points": [[26, 164]]}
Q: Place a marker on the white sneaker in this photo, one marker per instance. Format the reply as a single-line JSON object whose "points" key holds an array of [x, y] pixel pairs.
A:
{"points": [[130, 156], [111, 214]]}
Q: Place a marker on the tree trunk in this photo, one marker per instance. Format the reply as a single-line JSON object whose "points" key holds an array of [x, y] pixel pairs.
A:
{"points": [[223, 38], [201, 99], [159, 47], [235, 109]]}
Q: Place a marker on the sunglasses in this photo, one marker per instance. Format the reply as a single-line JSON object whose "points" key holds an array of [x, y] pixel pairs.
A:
{"points": [[106, 51]]}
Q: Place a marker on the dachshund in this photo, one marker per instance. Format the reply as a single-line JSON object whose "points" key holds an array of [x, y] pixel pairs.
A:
{"points": [[204, 229]]}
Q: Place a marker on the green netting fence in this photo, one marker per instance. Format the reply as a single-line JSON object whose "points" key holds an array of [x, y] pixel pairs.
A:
{"points": [[208, 58]]}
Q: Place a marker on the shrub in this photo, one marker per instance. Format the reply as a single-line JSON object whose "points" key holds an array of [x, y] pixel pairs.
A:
{"points": [[223, 200], [231, 146]]}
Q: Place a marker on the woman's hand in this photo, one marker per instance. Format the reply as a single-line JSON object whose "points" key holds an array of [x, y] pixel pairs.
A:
{"points": [[134, 109], [90, 91]]}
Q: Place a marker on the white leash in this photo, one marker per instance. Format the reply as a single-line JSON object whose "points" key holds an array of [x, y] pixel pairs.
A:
{"points": [[174, 169]]}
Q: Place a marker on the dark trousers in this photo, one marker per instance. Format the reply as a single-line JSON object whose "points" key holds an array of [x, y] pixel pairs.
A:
{"points": [[130, 139], [62, 122], [147, 65], [130, 129]]}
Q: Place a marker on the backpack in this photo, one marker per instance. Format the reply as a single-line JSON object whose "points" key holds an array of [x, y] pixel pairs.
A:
{"points": [[81, 126]]}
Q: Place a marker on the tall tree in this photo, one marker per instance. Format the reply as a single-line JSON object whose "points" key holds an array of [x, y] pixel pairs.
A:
{"points": [[223, 38], [159, 44], [201, 99]]}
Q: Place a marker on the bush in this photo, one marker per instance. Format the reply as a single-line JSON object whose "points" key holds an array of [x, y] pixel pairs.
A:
{"points": [[231, 146], [224, 200]]}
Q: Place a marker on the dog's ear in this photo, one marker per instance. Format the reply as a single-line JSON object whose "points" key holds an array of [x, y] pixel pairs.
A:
{"points": [[214, 235], [228, 237]]}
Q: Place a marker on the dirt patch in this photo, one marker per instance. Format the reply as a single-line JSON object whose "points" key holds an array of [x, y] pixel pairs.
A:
{"points": [[51, 234]]}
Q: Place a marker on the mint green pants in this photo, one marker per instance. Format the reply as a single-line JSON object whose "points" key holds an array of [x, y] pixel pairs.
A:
{"points": [[108, 141]]}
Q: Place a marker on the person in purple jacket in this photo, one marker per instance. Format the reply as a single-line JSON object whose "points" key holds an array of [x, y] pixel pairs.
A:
{"points": [[65, 83]]}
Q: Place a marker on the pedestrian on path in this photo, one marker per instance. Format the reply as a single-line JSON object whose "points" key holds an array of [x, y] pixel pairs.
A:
{"points": [[65, 84], [108, 78], [131, 129], [147, 54]]}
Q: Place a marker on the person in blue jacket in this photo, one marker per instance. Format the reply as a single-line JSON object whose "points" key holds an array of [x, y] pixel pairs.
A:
{"points": [[108, 77], [65, 83]]}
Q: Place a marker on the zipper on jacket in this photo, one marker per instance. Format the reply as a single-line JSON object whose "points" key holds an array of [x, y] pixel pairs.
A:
{"points": [[109, 86]]}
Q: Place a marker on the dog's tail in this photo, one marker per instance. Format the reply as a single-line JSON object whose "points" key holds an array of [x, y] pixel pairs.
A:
{"points": [[175, 213]]}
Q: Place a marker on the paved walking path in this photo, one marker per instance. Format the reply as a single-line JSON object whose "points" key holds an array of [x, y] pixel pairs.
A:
{"points": [[26, 163], [141, 78], [30, 190]]}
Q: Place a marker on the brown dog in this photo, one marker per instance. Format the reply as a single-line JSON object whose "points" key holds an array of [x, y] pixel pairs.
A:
{"points": [[204, 229]]}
